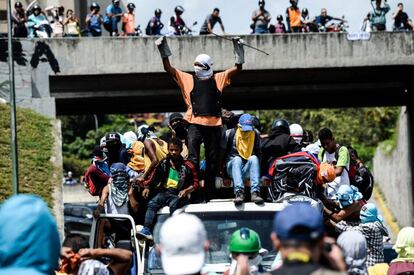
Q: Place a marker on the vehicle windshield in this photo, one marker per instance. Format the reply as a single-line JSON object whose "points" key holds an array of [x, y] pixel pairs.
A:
{"points": [[220, 226]]}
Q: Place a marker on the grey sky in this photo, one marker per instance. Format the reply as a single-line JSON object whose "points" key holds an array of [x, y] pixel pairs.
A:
{"points": [[236, 13]]}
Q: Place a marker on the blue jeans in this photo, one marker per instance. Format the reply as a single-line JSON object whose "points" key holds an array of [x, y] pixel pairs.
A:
{"points": [[261, 29], [239, 169]]}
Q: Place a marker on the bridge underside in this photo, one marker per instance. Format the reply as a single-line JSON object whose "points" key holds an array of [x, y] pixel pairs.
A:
{"points": [[265, 89]]}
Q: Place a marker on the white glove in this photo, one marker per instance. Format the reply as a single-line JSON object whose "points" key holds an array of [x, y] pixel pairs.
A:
{"points": [[163, 47], [238, 50]]}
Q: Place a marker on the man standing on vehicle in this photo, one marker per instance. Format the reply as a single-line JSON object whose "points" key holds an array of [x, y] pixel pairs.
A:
{"points": [[261, 18], [210, 21], [202, 94], [243, 159]]}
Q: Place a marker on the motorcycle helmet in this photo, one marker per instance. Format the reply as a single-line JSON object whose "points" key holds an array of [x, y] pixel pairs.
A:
{"points": [[281, 123], [279, 17], [94, 5], [36, 7], [296, 132], [131, 6], [157, 11], [179, 9], [305, 11], [245, 241], [18, 5], [261, 3]]}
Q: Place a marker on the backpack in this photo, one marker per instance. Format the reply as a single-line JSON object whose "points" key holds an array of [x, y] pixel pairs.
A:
{"points": [[360, 177], [364, 181], [293, 173]]}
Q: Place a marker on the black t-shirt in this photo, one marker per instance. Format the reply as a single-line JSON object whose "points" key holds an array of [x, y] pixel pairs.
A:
{"points": [[401, 20]]}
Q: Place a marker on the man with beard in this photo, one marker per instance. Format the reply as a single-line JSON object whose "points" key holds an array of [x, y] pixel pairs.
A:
{"points": [[202, 94]]}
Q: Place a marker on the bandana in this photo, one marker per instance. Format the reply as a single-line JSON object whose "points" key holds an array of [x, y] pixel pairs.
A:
{"points": [[119, 186]]}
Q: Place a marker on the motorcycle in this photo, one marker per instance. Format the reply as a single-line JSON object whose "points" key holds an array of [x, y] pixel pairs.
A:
{"points": [[184, 30], [43, 30], [336, 26]]}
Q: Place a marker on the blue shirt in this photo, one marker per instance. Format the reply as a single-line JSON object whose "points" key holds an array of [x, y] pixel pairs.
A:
{"points": [[112, 9]]}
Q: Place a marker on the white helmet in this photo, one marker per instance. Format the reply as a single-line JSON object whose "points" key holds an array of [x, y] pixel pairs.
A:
{"points": [[203, 66], [296, 132], [130, 137]]}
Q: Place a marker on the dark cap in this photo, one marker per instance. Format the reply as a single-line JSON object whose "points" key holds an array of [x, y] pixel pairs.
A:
{"points": [[176, 116], [112, 137], [298, 222]]}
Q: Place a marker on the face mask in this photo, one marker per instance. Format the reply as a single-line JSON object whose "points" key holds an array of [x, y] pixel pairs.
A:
{"points": [[253, 263], [202, 73], [181, 131]]}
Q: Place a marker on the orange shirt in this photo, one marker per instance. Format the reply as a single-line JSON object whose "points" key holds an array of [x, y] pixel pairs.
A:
{"points": [[294, 17], [129, 20], [186, 83]]}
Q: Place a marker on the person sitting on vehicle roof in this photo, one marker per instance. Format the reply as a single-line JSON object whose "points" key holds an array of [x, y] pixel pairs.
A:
{"points": [[98, 174], [177, 179], [155, 149], [278, 143], [404, 246], [243, 156], [245, 248], [115, 149]]}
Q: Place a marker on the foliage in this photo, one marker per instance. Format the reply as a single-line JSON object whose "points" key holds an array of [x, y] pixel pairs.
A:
{"points": [[35, 145], [79, 140], [363, 128]]}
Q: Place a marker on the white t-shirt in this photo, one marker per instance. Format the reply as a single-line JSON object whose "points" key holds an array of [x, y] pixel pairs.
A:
{"points": [[332, 187], [111, 208]]}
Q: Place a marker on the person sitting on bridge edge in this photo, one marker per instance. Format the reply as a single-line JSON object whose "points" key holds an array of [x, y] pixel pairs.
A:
{"points": [[177, 179], [113, 16], [324, 18], [210, 21], [94, 20], [202, 94], [336, 155], [377, 15], [155, 25], [243, 157]]}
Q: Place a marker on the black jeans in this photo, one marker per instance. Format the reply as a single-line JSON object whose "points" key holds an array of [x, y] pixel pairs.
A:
{"points": [[210, 136], [163, 198]]}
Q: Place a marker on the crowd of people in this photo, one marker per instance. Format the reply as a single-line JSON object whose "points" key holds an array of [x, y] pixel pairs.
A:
{"points": [[30, 245], [54, 22]]}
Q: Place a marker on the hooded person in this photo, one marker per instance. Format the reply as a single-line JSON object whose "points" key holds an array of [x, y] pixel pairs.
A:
{"points": [[98, 174], [404, 246], [202, 95], [373, 229], [354, 247], [29, 240], [296, 132], [350, 202], [278, 143]]}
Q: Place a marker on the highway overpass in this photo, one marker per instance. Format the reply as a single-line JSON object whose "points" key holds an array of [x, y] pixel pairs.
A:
{"points": [[123, 75]]}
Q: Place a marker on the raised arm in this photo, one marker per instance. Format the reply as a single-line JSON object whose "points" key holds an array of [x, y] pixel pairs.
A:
{"points": [[238, 51], [165, 52]]}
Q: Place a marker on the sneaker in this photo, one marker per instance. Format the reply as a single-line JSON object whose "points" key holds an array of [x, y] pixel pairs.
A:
{"points": [[256, 198], [145, 234], [239, 198]]}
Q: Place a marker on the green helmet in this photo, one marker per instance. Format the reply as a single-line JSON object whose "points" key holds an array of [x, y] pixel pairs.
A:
{"points": [[245, 240]]}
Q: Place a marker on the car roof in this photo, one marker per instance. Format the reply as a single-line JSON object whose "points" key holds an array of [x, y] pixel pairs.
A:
{"points": [[227, 206]]}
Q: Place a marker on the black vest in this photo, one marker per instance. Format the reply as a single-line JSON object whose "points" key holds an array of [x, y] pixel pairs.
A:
{"points": [[206, 98]]}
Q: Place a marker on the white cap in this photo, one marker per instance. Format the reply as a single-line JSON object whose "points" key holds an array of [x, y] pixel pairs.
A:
{"points": [[296, 132], [182, 241]]}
